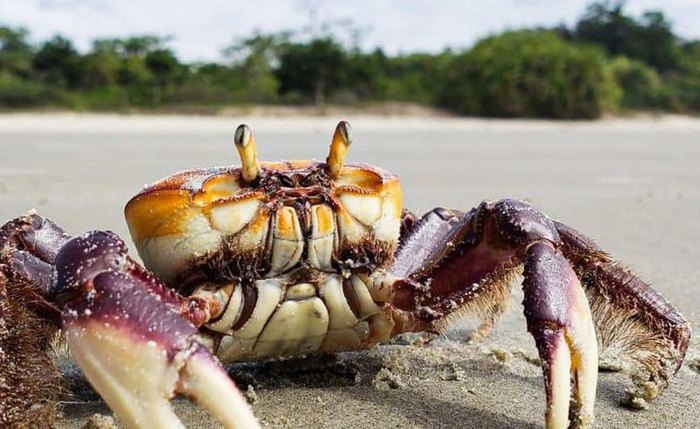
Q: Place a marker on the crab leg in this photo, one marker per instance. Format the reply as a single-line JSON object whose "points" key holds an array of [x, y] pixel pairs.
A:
{"points": [[29, 381], [559, 319], [449, 263], [127, 333], [475, 278], [633, 320]]}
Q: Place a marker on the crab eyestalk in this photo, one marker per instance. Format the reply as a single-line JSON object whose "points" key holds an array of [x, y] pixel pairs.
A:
{"points": [[342, 139], [245, 144]]}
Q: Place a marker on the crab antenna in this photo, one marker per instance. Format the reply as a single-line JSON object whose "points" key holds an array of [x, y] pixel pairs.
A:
{"points": [[245, 144], [342, 138]]}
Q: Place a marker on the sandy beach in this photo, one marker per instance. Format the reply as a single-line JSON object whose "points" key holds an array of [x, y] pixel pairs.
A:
{"points": [[631, 184]]}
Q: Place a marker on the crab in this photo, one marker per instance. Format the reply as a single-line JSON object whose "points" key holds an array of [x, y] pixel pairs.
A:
{"points": [[269, 260]]}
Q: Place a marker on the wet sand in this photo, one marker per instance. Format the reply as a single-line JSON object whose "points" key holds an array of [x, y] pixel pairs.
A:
{"points": [[633, 185]]}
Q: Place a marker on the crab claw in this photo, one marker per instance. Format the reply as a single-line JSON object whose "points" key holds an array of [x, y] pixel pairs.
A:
{"points": [[126, 332]]}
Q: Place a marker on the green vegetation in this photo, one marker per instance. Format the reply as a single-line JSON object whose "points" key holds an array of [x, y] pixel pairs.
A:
{"points": [[530, 74], [609, 61]]}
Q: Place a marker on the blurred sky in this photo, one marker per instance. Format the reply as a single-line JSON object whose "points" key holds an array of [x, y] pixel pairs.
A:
{"points": [[201, 28]]}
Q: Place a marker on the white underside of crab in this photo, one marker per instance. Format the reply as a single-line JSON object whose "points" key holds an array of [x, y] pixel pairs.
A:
{"points": [[300, 319]]}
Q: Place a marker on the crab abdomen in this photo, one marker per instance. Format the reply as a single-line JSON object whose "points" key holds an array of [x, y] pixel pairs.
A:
{"points": [[278, 317]]}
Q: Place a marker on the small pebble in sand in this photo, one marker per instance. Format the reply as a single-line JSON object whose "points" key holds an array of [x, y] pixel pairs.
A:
{"points": [[99, 421], [636, 403], [470, 391], [638, 397], [456, 373], [386, 379], [694, 364], [501, 356], [251, 395]]}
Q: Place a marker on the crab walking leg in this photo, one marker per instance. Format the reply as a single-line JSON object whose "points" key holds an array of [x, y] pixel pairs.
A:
{"points": [[127, 333], [556, 366], [633, 320], [28, 248], [34, 234], [559, 319], [451, 263], [30, 384]]}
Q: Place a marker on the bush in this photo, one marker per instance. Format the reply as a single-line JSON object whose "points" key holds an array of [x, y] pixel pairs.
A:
{"points": [[15, 92], [314, 69], [530, 74], [687, 84], [108, 97], [687, 91], [641, 85]]}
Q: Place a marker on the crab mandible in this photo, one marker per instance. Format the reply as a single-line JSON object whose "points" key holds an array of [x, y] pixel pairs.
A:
{"points": [[291, 258]]}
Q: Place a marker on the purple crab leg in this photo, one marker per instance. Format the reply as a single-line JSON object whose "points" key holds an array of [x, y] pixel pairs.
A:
{"points": [[30, 384], [467, 262], [633, 320], [559, 318], [577, 298]]}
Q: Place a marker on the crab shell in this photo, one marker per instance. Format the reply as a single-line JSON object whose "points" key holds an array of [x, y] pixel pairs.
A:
{"points": [[208, 224]]}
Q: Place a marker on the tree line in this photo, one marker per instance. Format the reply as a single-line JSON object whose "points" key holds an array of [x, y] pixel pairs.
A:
{"points": [[608, 61]]}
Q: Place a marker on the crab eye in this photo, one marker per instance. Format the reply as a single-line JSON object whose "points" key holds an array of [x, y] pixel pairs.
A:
{"points": [[342, 139], [245, 144]]}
